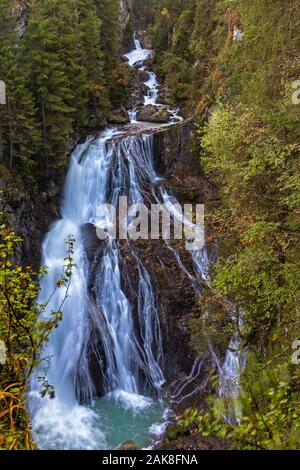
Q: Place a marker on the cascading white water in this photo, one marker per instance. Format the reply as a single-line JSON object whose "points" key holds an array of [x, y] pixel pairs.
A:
{"points": [[136, 58], [152, 84], [137, 42], [230, 373], [98, 329], [100, 171], [138, 55]]}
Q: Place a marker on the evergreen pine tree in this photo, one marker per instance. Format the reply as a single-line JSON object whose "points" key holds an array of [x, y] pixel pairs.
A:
{"points": [[108, 11], [51, 87], [93, 57], [19, 129], [64, 18]]}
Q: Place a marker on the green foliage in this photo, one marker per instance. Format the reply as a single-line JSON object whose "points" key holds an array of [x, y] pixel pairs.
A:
{"points": [[250, 151], [270, 407], [50, 85], [23, 333], [62, 75], [17, 119], [120, 84], [177, 74], [252, 164], [108, 11], [186, 36]]}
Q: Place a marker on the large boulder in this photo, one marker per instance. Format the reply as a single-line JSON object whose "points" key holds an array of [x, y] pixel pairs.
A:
{"points": [[165, 96], [152, 113], [119, 116], [142, 75]]}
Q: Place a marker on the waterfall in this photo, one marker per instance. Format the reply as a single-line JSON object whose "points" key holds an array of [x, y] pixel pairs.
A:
{"points": [[229, 380], [231, 370], [137, 42], [138, 55], [106, 345], [152, 84], [131, 361]]}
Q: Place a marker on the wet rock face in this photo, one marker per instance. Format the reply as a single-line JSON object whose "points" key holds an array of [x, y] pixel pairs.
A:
{"points": [[145, 39], [128, 445], [124, 16], [175, 440], [142, 75], [177, 156], [138, 91], [152, 113], [19, 11], [29, 214], [174, 150], [96, 118], [176, 299]]}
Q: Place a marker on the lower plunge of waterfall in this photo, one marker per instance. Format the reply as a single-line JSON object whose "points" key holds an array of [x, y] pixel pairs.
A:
{"points": [[131, 405], [105, 360], [106, 424]]}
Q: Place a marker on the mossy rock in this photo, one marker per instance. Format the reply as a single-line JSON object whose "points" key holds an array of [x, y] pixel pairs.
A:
{"points": [[152, 113], [119, 116], [128, 445]]}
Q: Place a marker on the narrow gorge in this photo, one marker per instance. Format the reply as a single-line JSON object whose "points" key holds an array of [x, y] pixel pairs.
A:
{"points": [[122, 338], [149, 227]]}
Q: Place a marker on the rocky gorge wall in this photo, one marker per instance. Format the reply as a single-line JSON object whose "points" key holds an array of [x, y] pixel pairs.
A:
{"points": [[29, 212], [177, 157], [177, 161]]}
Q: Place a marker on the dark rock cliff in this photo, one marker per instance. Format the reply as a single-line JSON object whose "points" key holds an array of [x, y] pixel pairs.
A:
{"points": [[29, 212], [177, 157]]}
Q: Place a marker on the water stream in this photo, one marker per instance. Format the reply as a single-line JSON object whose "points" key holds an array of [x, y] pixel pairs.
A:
{"points": [[101, 330]]}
